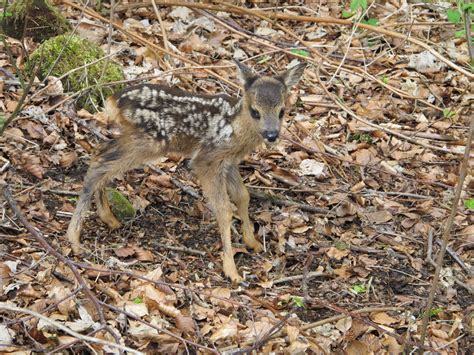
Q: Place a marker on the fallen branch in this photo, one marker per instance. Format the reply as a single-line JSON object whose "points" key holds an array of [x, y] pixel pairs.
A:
{"points": [[8, 307], [447, 230]]}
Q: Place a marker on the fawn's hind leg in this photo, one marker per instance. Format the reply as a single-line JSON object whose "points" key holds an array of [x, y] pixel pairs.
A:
{"points": [[240, 196], [213, 182], [114, 158]]}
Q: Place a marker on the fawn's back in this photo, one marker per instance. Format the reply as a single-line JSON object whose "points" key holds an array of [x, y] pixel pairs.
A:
{"points": [[178, 121]]}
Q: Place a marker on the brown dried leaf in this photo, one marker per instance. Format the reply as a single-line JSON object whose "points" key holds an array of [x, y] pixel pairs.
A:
{"points": [[144, 255], [356, 347], [363, 156], [185, 324], [225, 331], [336, 253], [379, 217], [124, 252], [383, 318], [285, 176], [32, 164], [68, 159], [35, 130]]}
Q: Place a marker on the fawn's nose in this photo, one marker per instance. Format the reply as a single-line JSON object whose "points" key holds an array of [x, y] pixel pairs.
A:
{"points": [[270, 136]]}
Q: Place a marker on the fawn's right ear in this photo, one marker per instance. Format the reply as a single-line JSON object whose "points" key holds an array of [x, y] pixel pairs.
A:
{"points": [[246, 75]]}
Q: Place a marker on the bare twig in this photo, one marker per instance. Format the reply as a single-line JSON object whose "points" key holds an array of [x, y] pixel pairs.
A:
{"points": [[286, 202], [447, 230], [308, 276], [188, 189], [11, 308]]}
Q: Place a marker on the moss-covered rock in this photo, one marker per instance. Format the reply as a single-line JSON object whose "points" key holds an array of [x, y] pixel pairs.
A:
{"points": [[33, 18], [73, 52], [120, 206]]}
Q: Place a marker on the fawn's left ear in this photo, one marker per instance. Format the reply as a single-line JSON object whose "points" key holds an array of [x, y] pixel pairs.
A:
{"points": [[292, 75], [246, 75]]}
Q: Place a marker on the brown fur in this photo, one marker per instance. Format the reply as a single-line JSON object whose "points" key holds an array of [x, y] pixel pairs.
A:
{"points": [[214, 160]]}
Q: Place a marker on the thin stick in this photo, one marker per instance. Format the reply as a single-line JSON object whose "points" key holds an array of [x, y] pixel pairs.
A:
{"points": [[299, 277], [162, 26], [467, 28], [85, 338], [447, 230], [285, 202]]}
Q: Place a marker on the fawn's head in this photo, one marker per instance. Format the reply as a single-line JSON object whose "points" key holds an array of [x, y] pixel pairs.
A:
{"points": [[264, 98]]}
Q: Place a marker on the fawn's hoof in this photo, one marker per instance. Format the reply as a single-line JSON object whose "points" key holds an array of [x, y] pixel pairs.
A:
{"points": [[231, 271], [253, 243], [256, 246], [113, 223], [236, 279]]}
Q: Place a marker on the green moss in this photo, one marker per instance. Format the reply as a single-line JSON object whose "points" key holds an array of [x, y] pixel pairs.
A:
{"points": [[34, 18], [120, 206], [73, 52]]}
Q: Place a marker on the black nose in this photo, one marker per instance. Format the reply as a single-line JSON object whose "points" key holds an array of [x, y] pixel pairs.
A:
{"points": [[270, 136]]}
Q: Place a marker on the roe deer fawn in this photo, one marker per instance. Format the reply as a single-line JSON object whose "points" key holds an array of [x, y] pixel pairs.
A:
{"points": [[216, 132]]}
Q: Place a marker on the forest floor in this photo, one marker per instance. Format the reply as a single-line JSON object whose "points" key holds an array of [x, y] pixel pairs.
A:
{"points": [[351, 204]]}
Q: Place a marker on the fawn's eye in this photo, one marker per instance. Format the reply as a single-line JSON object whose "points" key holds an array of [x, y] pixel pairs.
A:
{"points": [[254, 113], [282, 113]]}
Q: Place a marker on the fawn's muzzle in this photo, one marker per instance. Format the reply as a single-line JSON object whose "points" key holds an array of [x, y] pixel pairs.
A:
{"points": [[270, 136]]}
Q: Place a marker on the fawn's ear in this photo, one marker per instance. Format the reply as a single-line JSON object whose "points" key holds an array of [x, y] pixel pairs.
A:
{"points": [[246, 75], [292, 75]]}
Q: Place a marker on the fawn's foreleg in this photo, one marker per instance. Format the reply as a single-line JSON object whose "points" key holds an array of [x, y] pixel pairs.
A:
{"points": [[240, 196], [213, 184]]}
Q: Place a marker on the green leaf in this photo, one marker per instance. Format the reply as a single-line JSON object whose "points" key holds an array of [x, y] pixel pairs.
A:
{"points": [[384, 80], [363, 4], [340, 245], [355, 5], [137, 300], [460, 34], [435, 311], [2, 122], [371, 22], [468, 7], [5, 14], [359, 289], [298, 301], [469, 203], [347, 14], [301, 52], [448, 113], [454, 16], [264, 59]]}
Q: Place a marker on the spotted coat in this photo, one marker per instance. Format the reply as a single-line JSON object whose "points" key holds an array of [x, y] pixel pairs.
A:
{"points": [[168, 113]]}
